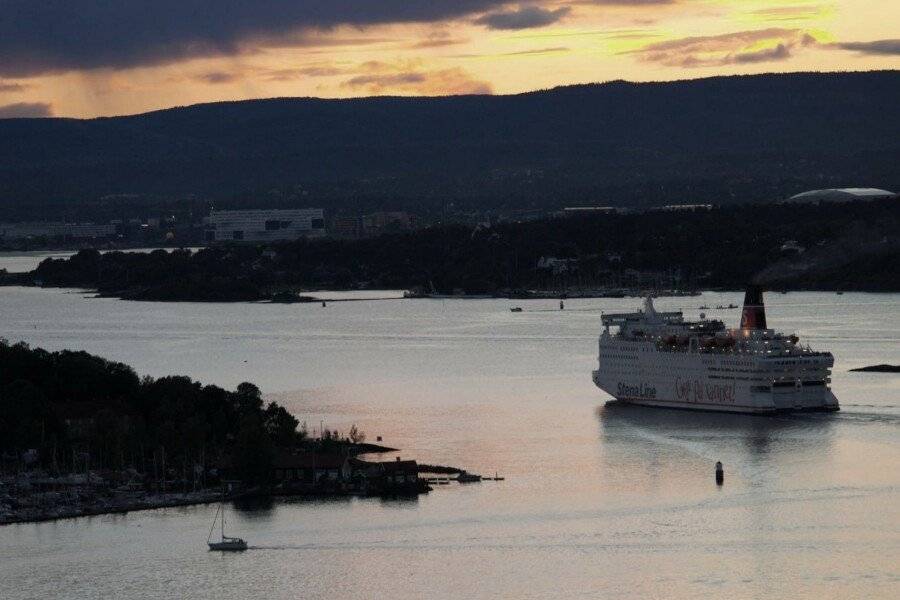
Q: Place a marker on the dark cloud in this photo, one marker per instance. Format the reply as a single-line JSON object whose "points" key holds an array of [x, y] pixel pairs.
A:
{"points": [[58, 35], [11, 86], [877, 47], [523, 17], [438, 39], [216, 77], [779, 52], [26, 110]]}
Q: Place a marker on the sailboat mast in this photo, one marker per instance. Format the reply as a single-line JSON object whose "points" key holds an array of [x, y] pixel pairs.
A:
{"points": [[222, 506], [213, 526]]}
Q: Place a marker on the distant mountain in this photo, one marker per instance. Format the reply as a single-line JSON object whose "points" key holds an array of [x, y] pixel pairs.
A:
{"points": [[721, 139]]}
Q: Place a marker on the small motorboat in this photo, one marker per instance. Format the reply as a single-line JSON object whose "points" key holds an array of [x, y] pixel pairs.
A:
{"points": [[225, 543], [516, 309]]}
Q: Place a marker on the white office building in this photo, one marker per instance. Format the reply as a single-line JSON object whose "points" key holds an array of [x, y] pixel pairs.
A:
{"points": [[264, 225]]}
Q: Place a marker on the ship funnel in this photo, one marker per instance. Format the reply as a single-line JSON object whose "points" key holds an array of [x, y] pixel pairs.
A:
{"points": [[754, 313]]}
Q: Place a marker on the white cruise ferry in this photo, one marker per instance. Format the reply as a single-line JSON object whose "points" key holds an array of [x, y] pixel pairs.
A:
{"points": [[659, 359]]}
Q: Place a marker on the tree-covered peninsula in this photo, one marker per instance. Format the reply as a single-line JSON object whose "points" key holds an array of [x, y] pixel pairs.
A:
{"points": [[82, 435]]}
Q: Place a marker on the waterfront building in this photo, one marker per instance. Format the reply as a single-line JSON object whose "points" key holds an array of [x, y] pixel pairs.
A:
{"points": [[306, 472], [263, 225], [311, 468]]}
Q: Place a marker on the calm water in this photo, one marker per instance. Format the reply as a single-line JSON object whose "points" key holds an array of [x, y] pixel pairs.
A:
{"points": [[598, 501]]}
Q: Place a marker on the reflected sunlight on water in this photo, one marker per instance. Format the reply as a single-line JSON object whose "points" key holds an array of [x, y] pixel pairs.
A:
{"points": [[599, 500]]}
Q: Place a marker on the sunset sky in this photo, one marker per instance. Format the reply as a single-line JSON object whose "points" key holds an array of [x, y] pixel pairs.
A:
{"points": [[85, 58]]}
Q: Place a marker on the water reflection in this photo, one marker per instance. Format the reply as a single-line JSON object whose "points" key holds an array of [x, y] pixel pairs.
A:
{"points": [[255, 506], [674, 448], [625, 505], [615, 417], [399, 501]]}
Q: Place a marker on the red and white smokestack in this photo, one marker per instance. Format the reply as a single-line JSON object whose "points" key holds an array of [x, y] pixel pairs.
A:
{"points": [[754, 313]]}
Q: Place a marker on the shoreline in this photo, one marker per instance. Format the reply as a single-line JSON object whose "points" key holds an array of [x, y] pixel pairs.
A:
{"points": [[538, 295], [145, 502], [88, 500]]}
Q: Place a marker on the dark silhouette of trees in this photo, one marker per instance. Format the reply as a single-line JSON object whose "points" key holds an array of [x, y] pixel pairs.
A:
{"points": [[854, 246], [65, 404]]}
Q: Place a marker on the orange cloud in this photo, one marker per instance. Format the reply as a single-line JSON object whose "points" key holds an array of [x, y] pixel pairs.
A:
{"points": [[740, 47], [380, 78]]}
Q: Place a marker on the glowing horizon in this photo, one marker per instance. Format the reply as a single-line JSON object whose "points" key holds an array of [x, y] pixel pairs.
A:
{"points": [[284, 49]]}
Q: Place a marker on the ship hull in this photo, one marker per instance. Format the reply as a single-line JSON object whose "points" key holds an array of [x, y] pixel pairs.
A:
{"points": [[636, 373], [748, 410]]}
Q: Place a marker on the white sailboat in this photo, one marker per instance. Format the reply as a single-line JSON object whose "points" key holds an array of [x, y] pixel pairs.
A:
{"points": [[225, 543]]}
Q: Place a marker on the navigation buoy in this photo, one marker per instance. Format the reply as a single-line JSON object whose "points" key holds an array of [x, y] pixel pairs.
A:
{"points": [[720, 473], [562, 305]]}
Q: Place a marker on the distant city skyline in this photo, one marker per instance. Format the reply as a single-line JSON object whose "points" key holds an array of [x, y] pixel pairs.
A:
{"points": [[86, 59]]}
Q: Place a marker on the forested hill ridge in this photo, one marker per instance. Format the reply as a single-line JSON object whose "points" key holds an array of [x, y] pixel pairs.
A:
{"points": [[828, 247], [721, 139]]}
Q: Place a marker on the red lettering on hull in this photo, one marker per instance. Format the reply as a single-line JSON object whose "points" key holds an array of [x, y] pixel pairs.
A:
{"points": [[697, 391]]}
